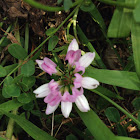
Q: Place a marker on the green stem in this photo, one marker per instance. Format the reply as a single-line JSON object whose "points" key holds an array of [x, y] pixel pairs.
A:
{"points": [[1, 23], [121, 4], [26, 37], [16, 32], [10, 126], [67, 18], [68, 28], [8, 29], [119, 107], [42, 6], [74, 24], [49, 8]]}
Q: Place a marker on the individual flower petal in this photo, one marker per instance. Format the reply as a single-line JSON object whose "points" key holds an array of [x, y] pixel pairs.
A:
{"points": [[77, 81], [49, 62], [67, 97], [49, 66], [77, 92], [82, 103], [86, 59], [79, 68], [42, 91], [73, 56], [50, 109], [53, 99], [40, 62], [53, 86], [66, 108], [73, 45], [89, 83]]}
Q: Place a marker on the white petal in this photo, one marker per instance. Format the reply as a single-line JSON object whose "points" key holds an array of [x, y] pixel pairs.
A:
{"points": [[42, 91], [40, 62], [73, 45], [82, 103], [66, 108], [50, 109], [89, 83], [87, 59]]}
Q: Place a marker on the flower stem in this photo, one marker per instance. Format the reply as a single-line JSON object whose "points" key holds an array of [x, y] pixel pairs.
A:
{"points": [[10, 126], [74, 24], [42, 6], [68, 28], [49, 8], [121, 4], [52, 124]]}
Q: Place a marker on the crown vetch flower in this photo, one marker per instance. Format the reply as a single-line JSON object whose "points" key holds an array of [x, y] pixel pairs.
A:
{"points": [[82, 103], [84, 62], [73, 53], [42, 91], [86, 59], [73, 56], [73, 45], [85, 82], [69, 87], [47, 65]]}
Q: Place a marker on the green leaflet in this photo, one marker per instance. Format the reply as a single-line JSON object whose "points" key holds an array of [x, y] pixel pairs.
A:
{"points": [[52, 42], [112, 114], [136, 103], [17, 51], [2, 71], [121, 130], [67, 4], [9, 68], [28, 68], [10, 89]]}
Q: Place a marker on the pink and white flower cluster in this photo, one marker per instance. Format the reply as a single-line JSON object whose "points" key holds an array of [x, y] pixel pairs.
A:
{"points": [[69, 88]]}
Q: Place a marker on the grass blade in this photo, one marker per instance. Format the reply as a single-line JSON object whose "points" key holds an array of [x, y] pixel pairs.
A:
{"points": [[29, 127], [135, 34], [97, 128], [123, 79]]}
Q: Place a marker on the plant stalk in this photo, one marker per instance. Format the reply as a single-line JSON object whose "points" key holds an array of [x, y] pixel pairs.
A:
{"points": [[49, 8], [121, 4], [10, 127], [74, 24]]}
